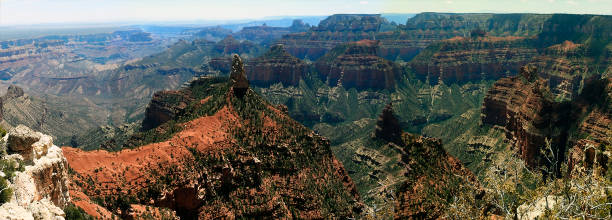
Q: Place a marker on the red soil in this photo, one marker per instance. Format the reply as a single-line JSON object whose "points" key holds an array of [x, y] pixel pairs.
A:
{"points": [[128, 170]]}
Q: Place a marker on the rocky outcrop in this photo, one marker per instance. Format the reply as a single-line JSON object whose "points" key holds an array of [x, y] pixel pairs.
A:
{"points": [[388, 127], [594, 133], [588, 156], [433, 178], [21, 142], [224, 157], [276, 66], [164, 106], [533, 118], [40, 191], [356, 65], [524, 106], [238, 77], [461, 60], [565, 67], [13, 92]]}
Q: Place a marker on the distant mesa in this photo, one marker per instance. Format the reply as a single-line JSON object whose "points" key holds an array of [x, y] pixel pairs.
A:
{"points": [[357, 65], [276, 66]]}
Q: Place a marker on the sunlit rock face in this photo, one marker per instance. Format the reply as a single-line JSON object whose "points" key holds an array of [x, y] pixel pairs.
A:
{"points": [[40, 191]]}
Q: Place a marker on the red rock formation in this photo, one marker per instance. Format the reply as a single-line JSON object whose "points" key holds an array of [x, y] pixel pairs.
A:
{"points": [[588, 155], [276, 66], [526, 108], [598, 127], [246, 159], [356, 65], [460, 60], [594, 132], [521, 105]]}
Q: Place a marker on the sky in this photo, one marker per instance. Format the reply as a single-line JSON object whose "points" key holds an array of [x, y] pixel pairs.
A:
{"points": [[19, 12]]}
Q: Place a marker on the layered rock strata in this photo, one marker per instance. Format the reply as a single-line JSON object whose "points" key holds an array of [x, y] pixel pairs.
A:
{"points": [[565, 67], [461, 60], [523, 105], [276, 66], [331, 32], [356, 65]]}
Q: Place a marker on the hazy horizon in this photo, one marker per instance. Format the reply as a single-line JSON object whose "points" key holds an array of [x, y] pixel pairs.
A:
{"points": [[45, 12]]}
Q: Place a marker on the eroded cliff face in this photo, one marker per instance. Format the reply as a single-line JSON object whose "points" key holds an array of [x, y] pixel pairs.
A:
{"points": [[356, 65], [164, 106], [223, 157], [40, 189], [589, 146], [460, 60], [331, 32], [276, 66], [565, 67], [524, 106]]}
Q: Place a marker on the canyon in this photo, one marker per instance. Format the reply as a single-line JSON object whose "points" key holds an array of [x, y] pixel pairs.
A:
{"points": [[356, 117]]}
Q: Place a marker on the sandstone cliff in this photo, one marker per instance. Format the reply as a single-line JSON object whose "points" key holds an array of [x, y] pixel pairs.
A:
{"points": [[565, 66], [588, 146], [356, 65], [276, 66], [461, 60], [40, 189], [524, 106]]}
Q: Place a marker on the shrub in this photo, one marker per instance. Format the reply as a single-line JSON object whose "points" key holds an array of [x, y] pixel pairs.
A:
{"points": [[5, 191], [76, 213]]}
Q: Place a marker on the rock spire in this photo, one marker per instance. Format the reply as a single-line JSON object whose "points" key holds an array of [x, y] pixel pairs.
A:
{"points": [[240, 83], [388, 127]]}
